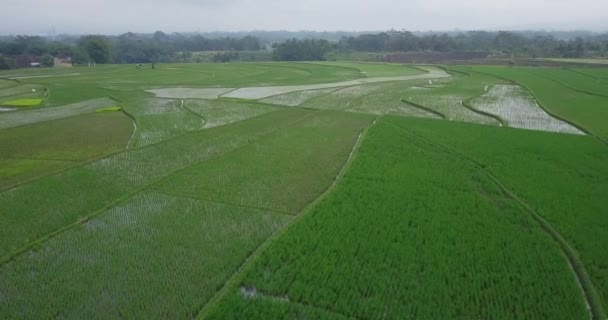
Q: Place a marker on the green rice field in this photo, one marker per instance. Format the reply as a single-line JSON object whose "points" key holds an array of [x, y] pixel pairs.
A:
{"points": [[312, 190]]}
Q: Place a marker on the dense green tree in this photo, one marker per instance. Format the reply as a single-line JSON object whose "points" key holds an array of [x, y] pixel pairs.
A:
{"points": [[98, 48], [80, 56], [303, 50], [6, 63], [47, 61]]}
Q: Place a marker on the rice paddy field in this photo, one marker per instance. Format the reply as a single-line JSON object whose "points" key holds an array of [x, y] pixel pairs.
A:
{"points": [[325, 190]]}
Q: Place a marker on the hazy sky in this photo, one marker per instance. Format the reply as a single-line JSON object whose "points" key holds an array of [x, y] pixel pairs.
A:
{"points": [[119, 16]]}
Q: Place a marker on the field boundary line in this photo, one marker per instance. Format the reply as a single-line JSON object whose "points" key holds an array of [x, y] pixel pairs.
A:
{"points": [[195, 114], [417, 67], [467, 104], [233, 281], [228, 203], [452, 71], [589, 292], [427, 109], [133, 120], [583, 73]]}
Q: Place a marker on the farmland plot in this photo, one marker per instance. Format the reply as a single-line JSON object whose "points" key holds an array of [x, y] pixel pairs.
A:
{"points": [[519, 109], [221, 112], [573, 80], [378, 248], [21, 90], [600, 75], [343, 99], [284, 172], [257, 93], [294, 99], [189, 93], [151, 257], [191, 245], [390, 101], [46, 205], [160, 119], [31, 150], [447, 99], [585, 110], [14, 119], [563, 177], [229, 75], [376, 69], [6, 83], [415, 229]]}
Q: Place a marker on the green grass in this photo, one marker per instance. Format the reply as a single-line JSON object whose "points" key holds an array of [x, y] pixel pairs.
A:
{"points": [[61, 94], [7, 83], [32, 150], [192, 232], [410, 232], [23, 103], [560, 176], [190, 246], [160, 119], [22, 90], [48, 204], [222, 112], [284, 172], [25, 117], [203, 75], [109, 109], [416, 228], [573, 80], [598, 74]]}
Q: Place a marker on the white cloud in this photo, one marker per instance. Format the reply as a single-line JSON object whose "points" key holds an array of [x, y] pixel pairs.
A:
{"points": [[114, 16]]}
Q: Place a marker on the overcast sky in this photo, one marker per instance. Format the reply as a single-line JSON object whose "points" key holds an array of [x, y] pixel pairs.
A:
{"points": [[119, 16]]}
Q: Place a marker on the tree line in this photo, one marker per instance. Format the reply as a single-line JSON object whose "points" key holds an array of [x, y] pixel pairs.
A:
{"points": [[20, 51], [503, 42]]}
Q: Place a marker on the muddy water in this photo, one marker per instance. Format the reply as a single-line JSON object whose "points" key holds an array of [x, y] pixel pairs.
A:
{"points": [[515, 105]]}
